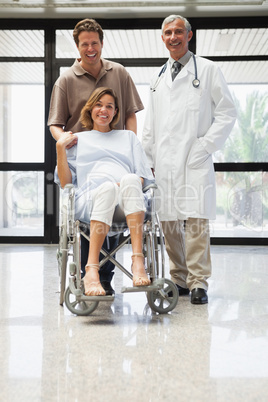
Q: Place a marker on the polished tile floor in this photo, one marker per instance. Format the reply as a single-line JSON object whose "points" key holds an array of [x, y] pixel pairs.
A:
{"points": [[123, 351]]}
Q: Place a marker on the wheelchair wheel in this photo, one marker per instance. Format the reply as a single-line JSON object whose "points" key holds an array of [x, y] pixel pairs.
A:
{"points": [[164, 300], [78, 306], [63, 255]]}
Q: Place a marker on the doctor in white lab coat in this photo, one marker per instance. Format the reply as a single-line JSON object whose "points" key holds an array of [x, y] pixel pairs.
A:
{"points": [[187, 119]]}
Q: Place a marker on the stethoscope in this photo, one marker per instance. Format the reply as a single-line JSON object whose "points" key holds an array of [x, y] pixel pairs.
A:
{"points": [[195, 82]]}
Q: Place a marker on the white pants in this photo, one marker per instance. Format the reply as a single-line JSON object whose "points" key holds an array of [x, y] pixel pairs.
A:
{"points": [[107, 196]]}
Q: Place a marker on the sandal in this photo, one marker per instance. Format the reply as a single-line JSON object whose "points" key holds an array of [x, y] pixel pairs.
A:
{"points": [[93, 288], [139, 279]]}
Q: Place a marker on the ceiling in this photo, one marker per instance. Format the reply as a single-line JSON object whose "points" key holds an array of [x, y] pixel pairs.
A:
{"points": [[130, 8]]}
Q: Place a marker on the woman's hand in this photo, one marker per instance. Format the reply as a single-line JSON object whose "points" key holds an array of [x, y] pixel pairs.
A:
{"points": [[62, 144], [141, 178], [67, 140]]}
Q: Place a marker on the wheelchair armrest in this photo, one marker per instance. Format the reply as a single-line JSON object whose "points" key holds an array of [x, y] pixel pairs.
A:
{"points": [[68, 205], [149, 186], [68, 190], [68, 186]]}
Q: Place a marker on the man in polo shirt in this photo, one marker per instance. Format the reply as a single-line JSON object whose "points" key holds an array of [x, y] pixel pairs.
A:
{"points": [[72, 90]]}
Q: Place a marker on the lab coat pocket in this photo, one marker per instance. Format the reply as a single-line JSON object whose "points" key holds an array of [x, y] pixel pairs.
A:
{"points": [[197, 98], [198, 157], [200, 183]]}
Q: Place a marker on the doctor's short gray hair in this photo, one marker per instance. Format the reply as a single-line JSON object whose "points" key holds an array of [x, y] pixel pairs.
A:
{"points": [[174, 17]]}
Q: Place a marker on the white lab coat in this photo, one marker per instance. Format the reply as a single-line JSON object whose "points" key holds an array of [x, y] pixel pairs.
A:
{"points": [[183, 127]]}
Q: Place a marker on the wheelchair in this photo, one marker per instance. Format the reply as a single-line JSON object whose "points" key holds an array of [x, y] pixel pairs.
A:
{"points": [[162, 293]]}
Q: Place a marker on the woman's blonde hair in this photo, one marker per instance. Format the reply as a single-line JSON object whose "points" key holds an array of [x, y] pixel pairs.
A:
{"points": [[96, 95]]}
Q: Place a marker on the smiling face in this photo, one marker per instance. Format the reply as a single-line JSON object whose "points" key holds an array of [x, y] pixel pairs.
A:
{"points": [[90, 48], [176, 38], [103, 113]]}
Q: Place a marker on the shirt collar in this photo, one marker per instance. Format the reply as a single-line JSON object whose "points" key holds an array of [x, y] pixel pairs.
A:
{"points": [[183, 60], [78, 69]]}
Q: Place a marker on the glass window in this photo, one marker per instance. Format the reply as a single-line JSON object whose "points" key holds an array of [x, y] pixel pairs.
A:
{"points": [[65, 44], [117, 43], [245, 72], [146, 43], [248, 141], [141, 77], [22, 204], [248, 84], [22, 112], [133, 43], [22, 43], [242, 205], [232, 42]]}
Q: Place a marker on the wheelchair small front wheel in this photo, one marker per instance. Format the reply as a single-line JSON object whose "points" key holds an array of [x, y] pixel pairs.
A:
{"points": [[164, 300], [78, 306]]}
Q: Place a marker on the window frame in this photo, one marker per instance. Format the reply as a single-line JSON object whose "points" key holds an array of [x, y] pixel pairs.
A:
{"points": [[51, 68]]}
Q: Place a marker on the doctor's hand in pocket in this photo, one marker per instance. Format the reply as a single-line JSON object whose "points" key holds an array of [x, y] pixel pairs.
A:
{"points": [[197, 156]]}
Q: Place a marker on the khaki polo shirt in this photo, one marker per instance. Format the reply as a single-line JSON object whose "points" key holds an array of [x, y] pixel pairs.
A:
{"points": [[74, 87]]}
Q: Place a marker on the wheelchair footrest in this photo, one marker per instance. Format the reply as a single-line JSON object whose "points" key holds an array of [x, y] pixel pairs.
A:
{"points": [[97, 298], [156, 285]]}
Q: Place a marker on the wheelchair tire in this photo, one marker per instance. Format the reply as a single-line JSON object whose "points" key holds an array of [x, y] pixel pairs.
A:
{"points": [[79, 307], [63, 255], [164, 300]]}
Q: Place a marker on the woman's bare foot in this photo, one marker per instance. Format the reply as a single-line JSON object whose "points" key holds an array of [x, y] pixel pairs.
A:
{"points": [[92, 283], [140, 277]]}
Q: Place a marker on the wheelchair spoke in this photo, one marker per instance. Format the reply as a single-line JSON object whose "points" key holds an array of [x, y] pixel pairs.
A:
{"points": [[77, 306], [164, 300], [167, 289], [169, 299], [161, 304], [74, 303]]}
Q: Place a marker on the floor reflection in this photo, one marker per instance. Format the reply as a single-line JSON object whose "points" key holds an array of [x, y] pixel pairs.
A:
{"points": [[124, 351]]}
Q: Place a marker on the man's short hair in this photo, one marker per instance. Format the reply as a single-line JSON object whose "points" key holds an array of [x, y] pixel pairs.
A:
{"points": [[88, 25]]}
